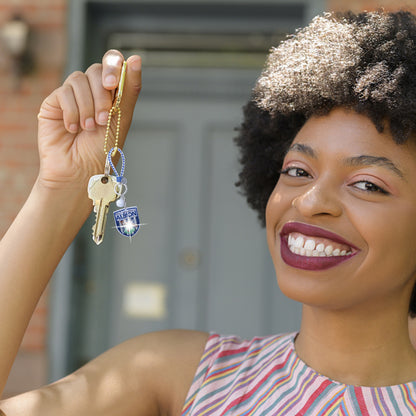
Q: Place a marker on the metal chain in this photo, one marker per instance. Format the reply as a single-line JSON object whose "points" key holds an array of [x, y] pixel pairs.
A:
{"points": [[115, 109]]}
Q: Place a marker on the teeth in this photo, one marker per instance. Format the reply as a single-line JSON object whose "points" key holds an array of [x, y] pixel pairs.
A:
{"points": [[329, 250], [308, 247], [299, 242]]}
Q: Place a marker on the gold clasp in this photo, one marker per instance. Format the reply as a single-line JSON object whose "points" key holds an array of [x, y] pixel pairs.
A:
{"points": [[121, 85]]}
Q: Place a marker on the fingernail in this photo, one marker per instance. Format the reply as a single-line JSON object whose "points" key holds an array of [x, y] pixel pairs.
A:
{"points": [[110, 80], [89, 124], [102, 117], [135, 66], [73, 128]]}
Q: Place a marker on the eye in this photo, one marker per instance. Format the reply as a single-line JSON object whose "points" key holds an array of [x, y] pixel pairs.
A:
{"points": [[295, 172], [368, 186]]}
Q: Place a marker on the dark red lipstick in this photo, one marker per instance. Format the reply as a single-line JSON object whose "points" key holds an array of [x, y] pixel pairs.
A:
{"points": [[307, 262]]}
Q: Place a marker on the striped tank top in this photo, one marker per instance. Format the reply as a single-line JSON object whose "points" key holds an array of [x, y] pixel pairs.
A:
{"points": [[264, 376]]}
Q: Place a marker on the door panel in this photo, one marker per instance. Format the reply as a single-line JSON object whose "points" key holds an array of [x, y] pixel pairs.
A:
{"points": [[141, 267], [235, 243]]}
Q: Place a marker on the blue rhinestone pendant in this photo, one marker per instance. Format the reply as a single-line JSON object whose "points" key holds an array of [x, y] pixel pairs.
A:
{"points": [[127, 221]]}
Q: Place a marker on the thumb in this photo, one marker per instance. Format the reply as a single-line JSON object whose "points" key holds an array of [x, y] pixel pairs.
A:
{"points": [[131, 91]]}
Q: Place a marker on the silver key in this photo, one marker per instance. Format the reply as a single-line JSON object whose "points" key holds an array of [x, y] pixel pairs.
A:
{"points": [[101, 189]]}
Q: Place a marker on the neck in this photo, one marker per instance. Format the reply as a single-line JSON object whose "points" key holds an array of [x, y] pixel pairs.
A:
{"points": [[375, 351]]}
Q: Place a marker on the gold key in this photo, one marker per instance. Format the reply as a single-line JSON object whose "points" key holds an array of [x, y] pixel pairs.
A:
{"points": [[102, 191]]}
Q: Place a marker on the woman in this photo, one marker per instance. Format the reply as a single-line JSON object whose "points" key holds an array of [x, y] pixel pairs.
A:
{"points": [[329, 161]]}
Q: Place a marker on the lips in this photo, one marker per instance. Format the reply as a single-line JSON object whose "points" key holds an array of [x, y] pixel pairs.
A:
{"points": [[314, 260]]}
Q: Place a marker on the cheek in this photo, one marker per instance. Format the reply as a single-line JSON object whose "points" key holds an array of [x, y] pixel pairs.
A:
{"points": [[391, 237], [276, 207], [401, 238], [273, 208]]}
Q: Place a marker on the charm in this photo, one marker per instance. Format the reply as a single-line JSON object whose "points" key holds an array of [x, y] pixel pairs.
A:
{"points": [[127, 221]]}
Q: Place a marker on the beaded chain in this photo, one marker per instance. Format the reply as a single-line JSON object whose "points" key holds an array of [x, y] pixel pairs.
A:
{"points": [[115, 109]]}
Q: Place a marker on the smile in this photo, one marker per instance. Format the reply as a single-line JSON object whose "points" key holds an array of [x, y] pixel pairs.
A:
{"points": [[316, 247], [312, 248]]}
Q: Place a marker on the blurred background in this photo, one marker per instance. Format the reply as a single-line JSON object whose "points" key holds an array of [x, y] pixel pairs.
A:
{"points": [[201, 260]]}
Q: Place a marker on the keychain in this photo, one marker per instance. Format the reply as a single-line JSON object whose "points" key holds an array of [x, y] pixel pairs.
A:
{"points": [[105, 188]]}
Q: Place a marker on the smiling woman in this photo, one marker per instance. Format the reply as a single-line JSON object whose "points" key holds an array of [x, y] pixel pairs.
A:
{"points": [[361, 63], [328, 153]]}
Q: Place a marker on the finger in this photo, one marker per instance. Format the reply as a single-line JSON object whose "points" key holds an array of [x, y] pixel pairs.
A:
{"points": [[83, 97], [132, 87], [102, 97], [68, 104], [112, 62]]}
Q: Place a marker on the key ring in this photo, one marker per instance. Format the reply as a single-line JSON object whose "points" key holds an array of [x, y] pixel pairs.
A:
{"points": [[115, 109]]}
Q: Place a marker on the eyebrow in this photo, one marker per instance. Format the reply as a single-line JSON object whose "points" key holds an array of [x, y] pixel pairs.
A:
{"points": [[362, 160]]}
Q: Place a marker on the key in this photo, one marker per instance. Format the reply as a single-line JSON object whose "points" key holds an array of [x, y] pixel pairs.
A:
{"points": [[101, 189]]}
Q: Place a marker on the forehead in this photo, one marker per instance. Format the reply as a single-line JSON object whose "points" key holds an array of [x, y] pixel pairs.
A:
{"points": [[344, 133]]}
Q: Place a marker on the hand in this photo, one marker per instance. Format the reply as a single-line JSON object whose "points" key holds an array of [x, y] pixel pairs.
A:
{"points": [[73, 119]]}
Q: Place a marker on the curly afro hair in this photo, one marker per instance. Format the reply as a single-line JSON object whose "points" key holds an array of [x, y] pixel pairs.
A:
{"points": [[365, 62]]}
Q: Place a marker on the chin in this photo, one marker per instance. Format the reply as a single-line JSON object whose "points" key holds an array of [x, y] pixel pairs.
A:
{"points": [[323, 289]]}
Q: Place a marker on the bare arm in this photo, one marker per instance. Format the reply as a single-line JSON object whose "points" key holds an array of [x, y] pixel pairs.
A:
{"points": [[58, 204], [147, 376]]}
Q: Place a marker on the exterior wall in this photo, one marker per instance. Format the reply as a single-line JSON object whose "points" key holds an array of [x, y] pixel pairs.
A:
{"points": [[18, 150]]}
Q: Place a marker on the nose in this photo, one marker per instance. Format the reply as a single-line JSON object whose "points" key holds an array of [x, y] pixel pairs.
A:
{"points": [[319, 199]]}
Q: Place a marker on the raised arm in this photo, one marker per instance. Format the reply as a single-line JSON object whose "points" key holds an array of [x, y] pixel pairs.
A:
{"points": [[70, 138], [149, 375]]}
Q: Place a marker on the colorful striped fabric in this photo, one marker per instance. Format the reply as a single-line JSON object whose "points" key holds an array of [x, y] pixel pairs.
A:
{"points": [[264, 376]]}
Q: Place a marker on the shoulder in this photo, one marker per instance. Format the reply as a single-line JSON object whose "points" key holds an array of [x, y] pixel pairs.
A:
{"points": [[168, 349], [229, 362], [169, 360], [233, 356]]}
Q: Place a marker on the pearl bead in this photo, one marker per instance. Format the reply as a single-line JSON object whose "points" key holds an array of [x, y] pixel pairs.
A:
{"points": [[121, 202]]}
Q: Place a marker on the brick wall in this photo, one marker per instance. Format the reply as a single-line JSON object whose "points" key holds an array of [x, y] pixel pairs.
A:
{"points": [[18, 149]]}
